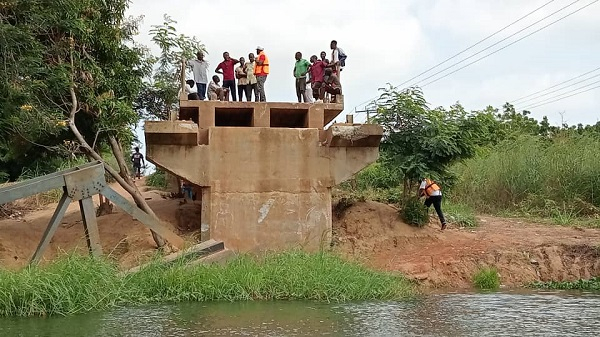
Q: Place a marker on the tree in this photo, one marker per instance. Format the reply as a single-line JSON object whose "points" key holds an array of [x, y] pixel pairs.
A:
{"points": [[73, 66], [159, 94], [420, 140]]}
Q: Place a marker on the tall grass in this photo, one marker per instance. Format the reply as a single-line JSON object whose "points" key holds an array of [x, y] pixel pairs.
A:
{"points": [[78, 284], [486, 278], [534, 176]]}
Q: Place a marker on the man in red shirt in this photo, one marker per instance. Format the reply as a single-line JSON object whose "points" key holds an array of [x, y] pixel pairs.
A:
{"points": [[226, 68], [317, 69]]}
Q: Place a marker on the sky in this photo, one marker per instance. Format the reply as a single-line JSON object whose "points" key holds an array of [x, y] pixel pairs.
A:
{"points": [[391, 41]]}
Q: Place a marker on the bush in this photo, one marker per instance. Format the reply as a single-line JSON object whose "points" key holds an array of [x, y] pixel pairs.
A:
{"points": [[414, 212], [487, 278], [157, 179]]}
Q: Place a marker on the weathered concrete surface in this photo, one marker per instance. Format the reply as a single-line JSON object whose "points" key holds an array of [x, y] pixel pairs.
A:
{"points": [[264, 187]]}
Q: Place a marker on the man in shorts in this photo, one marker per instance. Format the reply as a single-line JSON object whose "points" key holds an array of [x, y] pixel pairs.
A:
{"points": [[137, 159]]}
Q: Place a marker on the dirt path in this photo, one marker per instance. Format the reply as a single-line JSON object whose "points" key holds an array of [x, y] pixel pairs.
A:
{"points": [[522, 252]]}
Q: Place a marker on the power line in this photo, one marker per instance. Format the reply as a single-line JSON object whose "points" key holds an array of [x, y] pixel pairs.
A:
{"points": [[478, 43], [469, 48], [556, 90], [510, 44], [551, 98], [504, 39], [559, 99], [554, 86]]}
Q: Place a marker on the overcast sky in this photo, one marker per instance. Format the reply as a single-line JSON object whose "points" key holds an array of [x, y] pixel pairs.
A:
{"points": [[390, 41]]}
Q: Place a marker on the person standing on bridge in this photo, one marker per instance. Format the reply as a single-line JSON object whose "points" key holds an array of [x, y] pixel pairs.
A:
{"points": [[226, 69], [242, 77], [261, 70], [137, 159], [251, 87], [433, 195], [300, 70], [199, 68]]}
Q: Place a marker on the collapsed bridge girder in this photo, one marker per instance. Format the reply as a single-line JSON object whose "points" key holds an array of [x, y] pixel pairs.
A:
{"points": [[80, 184]]}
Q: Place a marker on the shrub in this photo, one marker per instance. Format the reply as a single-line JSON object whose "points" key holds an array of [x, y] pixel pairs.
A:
{"points": [[157, 179], [414, 213], [487, 278]]}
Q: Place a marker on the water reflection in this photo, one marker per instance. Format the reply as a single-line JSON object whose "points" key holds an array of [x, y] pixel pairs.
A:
{"points": [[493, 314]]}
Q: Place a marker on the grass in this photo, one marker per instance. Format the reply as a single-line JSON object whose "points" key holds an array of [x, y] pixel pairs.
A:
{"points": [[591, 284], [486, 278], [77, 284], [460, 214], [533, 176]]}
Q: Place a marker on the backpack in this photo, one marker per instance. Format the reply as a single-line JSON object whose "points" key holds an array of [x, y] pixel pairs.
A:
{"points": [[342, 57]]}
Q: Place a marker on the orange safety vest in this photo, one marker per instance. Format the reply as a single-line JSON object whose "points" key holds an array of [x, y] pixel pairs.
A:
{"points": [[264, 69], [430, 187]]}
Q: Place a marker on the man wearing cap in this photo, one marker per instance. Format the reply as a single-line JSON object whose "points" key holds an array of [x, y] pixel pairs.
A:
{"points": [[261, 70]]}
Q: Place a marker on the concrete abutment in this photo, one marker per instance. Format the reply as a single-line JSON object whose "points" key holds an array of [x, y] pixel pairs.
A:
{"points": [[264, 170]]}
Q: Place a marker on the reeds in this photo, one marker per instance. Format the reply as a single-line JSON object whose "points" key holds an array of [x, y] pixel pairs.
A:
{"points": [[76, 284]]}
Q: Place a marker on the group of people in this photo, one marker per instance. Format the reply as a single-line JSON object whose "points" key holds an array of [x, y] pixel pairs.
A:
{"points": [[314, 79], [251, 77], [323, 75]]}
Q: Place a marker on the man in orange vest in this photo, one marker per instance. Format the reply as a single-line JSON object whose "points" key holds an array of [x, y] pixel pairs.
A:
{"points": [[261, 70], [433, 195]]}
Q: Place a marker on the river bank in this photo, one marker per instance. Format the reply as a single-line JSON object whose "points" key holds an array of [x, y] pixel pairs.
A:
{"points": [[368, 232]]}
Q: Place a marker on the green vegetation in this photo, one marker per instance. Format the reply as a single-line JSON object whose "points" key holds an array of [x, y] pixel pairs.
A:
{"points": [[414, 212], [77, 284], [486, 278], [488, 161], [591, 284], [558, 178], [459, 214], [157, 179]]}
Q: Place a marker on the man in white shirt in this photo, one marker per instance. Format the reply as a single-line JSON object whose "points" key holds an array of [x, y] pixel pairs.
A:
{"points": [[216, 92], [433, 195], [199, 68], [191, 90]]}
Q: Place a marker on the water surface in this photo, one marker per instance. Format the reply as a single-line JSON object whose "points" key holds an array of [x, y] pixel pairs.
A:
{"points": [[492, 314]]}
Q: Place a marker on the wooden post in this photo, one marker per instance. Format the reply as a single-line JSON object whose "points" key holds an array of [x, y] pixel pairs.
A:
{"points": [[90, 226], [59, 213]]}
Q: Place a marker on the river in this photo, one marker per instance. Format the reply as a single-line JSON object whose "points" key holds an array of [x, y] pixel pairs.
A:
{"points": [[515, 313]]}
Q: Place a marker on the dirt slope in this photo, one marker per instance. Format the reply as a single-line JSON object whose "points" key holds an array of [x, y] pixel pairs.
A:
{"points": [[370, 232], [522, 252], [126, 239]]}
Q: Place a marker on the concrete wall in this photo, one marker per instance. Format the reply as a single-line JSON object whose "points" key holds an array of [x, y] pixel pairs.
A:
{"points": [[263, 188]]}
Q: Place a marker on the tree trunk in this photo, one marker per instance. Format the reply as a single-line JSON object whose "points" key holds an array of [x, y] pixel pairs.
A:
{"points": [[126, 184], [124, 173]]}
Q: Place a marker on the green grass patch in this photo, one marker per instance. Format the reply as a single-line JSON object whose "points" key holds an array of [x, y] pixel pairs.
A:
{"points": [[591, 284], [460, 214], [77, 284], [486, 278]]}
